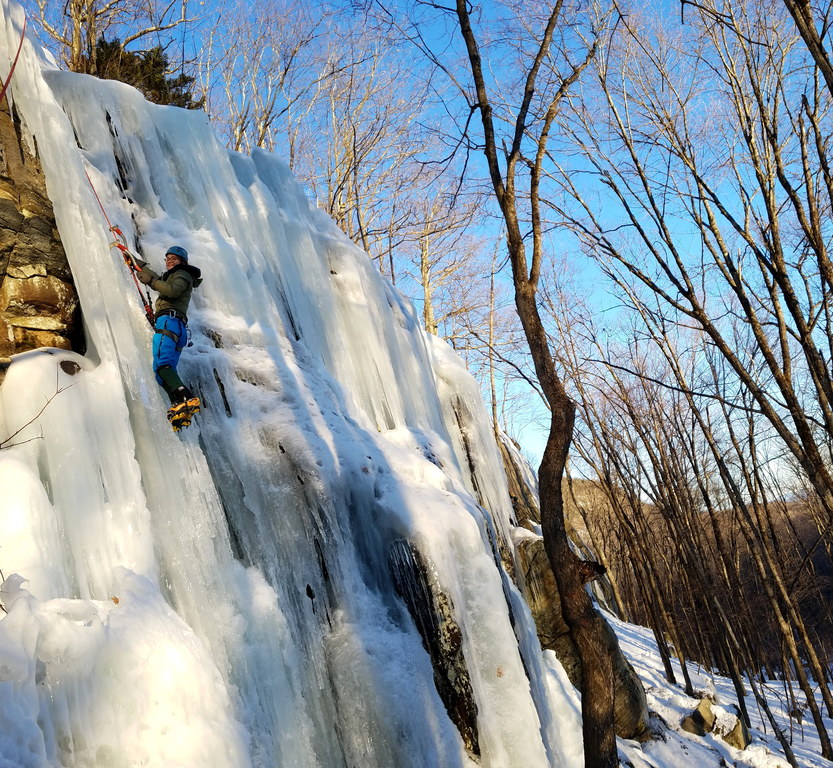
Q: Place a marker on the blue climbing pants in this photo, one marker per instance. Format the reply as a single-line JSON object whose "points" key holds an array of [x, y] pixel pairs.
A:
{"points": [[166, 349]]}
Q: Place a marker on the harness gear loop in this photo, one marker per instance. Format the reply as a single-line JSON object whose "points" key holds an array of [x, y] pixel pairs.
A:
{"points": [[120, 243]]}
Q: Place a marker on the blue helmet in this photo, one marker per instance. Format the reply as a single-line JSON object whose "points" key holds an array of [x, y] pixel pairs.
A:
{"points": [[178, 251]]}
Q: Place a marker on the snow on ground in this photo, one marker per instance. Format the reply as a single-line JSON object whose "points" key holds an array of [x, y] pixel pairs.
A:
{"points": [[669, 704]]}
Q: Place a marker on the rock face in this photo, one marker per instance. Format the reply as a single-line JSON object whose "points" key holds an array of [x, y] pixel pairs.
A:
{"points": [[541, 593], [537, 583], [710, 718], [431, 610], [524, 503], [38, 303]]}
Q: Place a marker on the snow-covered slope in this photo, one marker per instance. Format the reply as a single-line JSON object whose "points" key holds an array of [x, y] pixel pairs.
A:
{"points": [[676, 748], [223, 597]]}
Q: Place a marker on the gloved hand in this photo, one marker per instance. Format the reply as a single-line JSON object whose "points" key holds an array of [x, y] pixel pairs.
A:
{"points": [[144, 277], [132, 261]]}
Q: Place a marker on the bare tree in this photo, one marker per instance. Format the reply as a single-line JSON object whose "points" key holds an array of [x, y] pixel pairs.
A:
{"points": [[514, 141], [805, 22], [77, 25], [645, 444], [755, 197], [10, 441], [261, 71], [706, 148]]}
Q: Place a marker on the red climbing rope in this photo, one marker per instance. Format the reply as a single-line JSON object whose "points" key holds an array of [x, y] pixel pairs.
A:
{"points": [[121, 244], [14, 63]]}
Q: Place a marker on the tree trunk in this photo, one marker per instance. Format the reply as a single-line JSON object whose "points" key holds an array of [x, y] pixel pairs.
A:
{"points": [[425, 277], [584, 622]]}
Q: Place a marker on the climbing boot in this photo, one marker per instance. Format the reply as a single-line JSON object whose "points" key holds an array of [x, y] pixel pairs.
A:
{"points": [[183, 407], [183, 399], [179, 420]]}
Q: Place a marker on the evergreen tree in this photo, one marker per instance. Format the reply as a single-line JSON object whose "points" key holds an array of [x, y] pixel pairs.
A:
{"points": [[147, 71]]}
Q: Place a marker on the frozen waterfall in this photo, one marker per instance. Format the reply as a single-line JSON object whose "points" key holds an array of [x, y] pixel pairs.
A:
{"points": [[247, 592]]}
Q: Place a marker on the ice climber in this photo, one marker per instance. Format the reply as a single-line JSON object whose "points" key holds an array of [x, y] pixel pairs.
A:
{"points": [[171, 322]]}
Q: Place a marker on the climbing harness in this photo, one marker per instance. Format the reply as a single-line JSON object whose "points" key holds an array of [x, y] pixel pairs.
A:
{"points": [[170, 334], [173, 313], [14, 63], [120, 243]]}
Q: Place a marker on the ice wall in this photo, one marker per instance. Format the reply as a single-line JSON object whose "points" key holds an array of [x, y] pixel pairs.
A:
{"points": [[223, 596]]}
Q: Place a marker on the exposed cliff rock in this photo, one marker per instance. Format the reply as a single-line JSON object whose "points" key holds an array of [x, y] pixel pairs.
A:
{"points": [[524, 503], [38, 302], [537, 583], [541, 593], [432, 612]]}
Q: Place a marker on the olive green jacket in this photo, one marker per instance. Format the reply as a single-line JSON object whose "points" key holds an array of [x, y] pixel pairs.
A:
{"points": [[174, 287]]}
